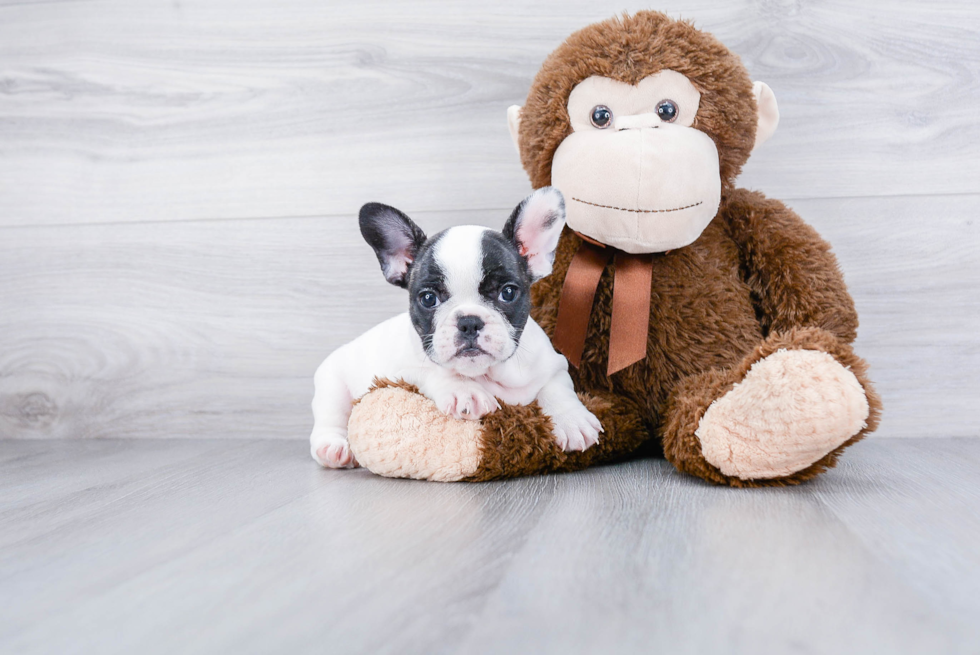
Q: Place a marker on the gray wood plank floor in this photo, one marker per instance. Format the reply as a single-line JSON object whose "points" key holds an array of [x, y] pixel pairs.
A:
{"points": [[203, 546]]}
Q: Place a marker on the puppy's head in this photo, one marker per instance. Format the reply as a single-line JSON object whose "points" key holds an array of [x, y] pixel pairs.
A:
{"points": [[469, 286]]}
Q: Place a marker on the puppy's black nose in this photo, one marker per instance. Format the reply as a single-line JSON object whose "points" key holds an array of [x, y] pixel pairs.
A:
{"points": [[469, 326]]}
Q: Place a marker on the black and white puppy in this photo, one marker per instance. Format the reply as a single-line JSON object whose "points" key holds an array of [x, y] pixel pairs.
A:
{"points": [[467, 337]]}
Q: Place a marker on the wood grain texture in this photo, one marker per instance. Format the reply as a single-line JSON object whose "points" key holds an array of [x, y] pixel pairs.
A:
{"points": [[178, 183], [214, 328], [207, 546], [116, 111]]}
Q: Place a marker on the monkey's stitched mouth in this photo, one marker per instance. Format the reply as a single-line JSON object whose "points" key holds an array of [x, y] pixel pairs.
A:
{"points": [[638, 211]]}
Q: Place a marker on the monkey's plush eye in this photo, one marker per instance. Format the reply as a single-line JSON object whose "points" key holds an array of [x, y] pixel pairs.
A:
{"points": [[509, 293], [428, 299], [667, 111], [601, 117]]}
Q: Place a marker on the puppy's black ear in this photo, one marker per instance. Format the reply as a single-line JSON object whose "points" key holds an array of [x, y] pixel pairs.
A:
{"points": [[534, 227], [395, 238]]}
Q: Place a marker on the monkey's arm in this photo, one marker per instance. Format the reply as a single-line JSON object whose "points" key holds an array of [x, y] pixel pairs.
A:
{"points": [[794, 277]]}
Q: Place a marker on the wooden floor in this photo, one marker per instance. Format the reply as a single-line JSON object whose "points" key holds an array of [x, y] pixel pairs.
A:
{"points": [[154, 546]]}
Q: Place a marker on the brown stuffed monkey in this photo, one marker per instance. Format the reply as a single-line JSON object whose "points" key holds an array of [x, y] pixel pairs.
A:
{"points": [[698, 317]]}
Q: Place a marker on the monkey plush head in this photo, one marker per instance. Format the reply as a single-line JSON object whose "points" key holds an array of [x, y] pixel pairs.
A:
{"points": [[642, 122]]}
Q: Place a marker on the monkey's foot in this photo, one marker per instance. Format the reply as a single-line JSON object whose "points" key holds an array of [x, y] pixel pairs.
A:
{"points": [[399, 433], [792, 408]]}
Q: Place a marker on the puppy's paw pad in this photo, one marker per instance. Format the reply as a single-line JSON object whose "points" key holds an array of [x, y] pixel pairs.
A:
{"points": [[335, 455]]}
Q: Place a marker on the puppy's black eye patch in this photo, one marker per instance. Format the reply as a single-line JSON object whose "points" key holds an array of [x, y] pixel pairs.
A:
{"points": [[427, 289], [506, 282]]}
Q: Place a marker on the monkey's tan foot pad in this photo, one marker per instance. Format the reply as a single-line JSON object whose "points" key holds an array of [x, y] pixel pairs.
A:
{"points": [[792, 408], [400, 434]]}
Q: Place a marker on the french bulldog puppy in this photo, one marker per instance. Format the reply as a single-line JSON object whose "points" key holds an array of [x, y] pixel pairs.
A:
{"points": [[467, 338]]}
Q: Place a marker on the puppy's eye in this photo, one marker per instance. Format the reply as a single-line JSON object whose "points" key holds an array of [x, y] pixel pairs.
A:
{"points": [[601, 117], [509, 293], [667, 111], [428, 299]]}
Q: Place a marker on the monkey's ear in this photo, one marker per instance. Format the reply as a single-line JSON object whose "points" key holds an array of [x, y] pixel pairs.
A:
{"points": [[534, 227], [395, 238], [514, 125], [768, 118]]}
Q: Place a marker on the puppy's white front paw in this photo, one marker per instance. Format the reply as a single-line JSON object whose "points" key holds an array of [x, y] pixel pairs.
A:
{"points": [[332, 452], [576, 429], [469, 402]]}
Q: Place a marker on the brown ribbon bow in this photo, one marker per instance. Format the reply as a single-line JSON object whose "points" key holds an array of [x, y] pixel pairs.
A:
{"points": [[630, 311]]}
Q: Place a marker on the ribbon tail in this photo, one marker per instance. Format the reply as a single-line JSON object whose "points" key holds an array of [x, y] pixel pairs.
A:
{"points": [[630, 325], [577, 296]]}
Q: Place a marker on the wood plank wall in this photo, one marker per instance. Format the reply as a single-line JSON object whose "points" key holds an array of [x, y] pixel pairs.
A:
{"points": [[179, 181]]}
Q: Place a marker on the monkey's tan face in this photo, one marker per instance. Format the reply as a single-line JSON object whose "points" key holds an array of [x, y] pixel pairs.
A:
{"points": [[635, 173]]}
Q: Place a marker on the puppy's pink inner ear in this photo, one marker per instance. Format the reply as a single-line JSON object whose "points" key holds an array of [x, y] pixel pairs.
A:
{"points": [[538, 232], [398, 259]]}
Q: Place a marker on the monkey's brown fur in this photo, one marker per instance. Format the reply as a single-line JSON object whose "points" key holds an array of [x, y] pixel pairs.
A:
{"points": [[758, 279]]}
